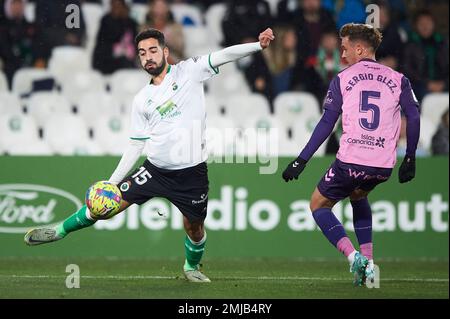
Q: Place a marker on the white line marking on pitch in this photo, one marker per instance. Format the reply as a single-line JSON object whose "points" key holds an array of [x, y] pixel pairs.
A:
{"points": [[119, 277]]}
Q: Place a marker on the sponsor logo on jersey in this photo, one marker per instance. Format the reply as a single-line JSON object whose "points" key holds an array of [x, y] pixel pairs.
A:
{"points": [[368, 140], [168, 109]]}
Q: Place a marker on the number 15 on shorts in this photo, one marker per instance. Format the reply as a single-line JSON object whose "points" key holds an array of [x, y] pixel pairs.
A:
{"points": [[142, 176]]}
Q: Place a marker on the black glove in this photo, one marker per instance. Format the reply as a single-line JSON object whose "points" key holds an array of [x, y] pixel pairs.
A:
{"points": [[407, 170], [294, 169]]}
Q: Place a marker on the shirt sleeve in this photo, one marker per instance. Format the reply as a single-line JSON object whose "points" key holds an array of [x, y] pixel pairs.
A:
{"points": [[333, 100], [200, 68], [410, 107], [139, 128]]}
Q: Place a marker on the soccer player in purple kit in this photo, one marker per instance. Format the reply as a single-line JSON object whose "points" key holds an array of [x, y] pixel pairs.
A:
{"points": [[369, 96]]}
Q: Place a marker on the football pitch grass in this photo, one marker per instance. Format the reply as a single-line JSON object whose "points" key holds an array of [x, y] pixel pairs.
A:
{"points": [[232, 278]]}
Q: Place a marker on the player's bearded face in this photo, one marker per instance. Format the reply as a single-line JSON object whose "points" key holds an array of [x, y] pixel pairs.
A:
{"points": [[153, 67]]}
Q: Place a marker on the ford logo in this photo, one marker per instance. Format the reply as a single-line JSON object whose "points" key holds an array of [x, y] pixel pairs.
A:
{"points": [[24, 206]]}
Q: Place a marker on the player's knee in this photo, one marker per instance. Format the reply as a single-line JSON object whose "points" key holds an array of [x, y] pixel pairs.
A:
{"points": [[358, 195], [195, 232]]}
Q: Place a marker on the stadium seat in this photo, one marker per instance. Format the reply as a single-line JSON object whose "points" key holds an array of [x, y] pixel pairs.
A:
{"points": [[427, 130], [240, 107], [289, 106], [92, 13], [138, 12], [93, 106], [230, 81], [82, 82], [17, 129], [35, 148], [67, 134], [302, 131], [112, 134], [197, 41], [273, 4], [214, 106], [220, 135], [30, 11], [10, 104], [434, 105], [23, 79], [186, 14], [213, 18], [65, 60], [41, 105], [268, 131], [126, 83], [3, 82]]}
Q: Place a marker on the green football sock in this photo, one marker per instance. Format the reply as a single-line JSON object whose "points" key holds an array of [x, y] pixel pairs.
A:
{"points": [[194, 253], [74, 222]]}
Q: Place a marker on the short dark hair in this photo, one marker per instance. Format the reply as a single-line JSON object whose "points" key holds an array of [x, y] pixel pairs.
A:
{"points": [[362, 32], [422, 13], [151, 34]]}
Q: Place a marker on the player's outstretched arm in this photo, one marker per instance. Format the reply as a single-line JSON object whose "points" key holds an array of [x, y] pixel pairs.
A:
{"points": [[129, 158], [320, 134], [239, 51], [410, 108]]}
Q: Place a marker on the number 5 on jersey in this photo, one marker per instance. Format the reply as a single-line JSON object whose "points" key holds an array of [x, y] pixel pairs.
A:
{"points": [[142, 176]]}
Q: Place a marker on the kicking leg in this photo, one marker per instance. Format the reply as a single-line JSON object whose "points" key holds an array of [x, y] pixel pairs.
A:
{"points": [[362, 222], [79, 220], [334, 231], [194, 245]]}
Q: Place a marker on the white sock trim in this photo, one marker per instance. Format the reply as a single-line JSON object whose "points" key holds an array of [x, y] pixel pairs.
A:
{"points": [[351, 257], [197, 242]]}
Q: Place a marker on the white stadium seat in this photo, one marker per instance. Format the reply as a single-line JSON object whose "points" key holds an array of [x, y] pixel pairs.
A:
{"points": [[221, 135], [65, 60], [112, 134], [93, 106], [23, 79], [240, 107], [68, 135], [214, 106], [35, 148], [302, 131], [213, 18], [82, 82], [434, 105], [126, 83], [289, 106], [10, 104], [3, 82], [183, 12], [43, 104], [230, 81], [17, 129], [30, 11], [92, 13], [268, 131], [138, 12], [196, 40], [427, 130]]}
